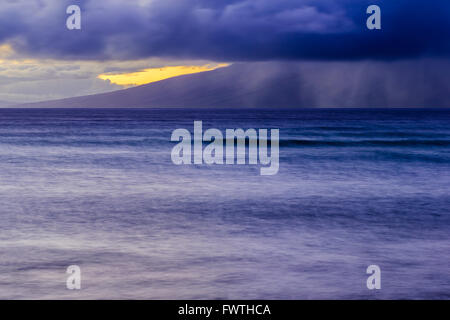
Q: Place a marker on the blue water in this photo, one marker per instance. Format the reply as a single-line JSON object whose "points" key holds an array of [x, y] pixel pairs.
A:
{"points": [[97, 188]]}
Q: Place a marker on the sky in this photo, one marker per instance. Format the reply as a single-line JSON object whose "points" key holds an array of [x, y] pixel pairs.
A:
{"points": [[126, 43]]}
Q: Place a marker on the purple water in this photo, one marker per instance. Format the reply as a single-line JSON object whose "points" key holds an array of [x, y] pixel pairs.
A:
{"points": [[97, 188]]}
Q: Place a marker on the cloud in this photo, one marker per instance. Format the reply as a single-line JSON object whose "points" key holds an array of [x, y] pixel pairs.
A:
{"points": [[37, 80], [233, 30], [24, 80]]}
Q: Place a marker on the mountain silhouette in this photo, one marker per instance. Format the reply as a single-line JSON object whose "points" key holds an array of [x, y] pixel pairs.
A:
{"points": [[282, 84]]}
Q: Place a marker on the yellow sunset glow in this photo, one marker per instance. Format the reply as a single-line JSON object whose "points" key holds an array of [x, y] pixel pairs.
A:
{"points": [[156, 74], [6, 51], [7, 54]]}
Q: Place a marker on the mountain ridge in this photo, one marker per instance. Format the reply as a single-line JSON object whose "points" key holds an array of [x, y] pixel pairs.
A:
{"points": [[278, 84]]}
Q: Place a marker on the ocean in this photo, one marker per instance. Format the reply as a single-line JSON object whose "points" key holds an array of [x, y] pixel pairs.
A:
{"points": [[97, 188]]}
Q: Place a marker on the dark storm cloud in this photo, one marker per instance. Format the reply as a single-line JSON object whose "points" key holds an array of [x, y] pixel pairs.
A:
{"points": [[227, 30]]}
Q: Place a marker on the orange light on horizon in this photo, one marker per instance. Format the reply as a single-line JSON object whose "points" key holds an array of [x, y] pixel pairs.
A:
{"points": [[156, 74]]}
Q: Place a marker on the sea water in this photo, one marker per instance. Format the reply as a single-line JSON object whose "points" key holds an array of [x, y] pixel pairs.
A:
{"points": [[97, 188]]}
